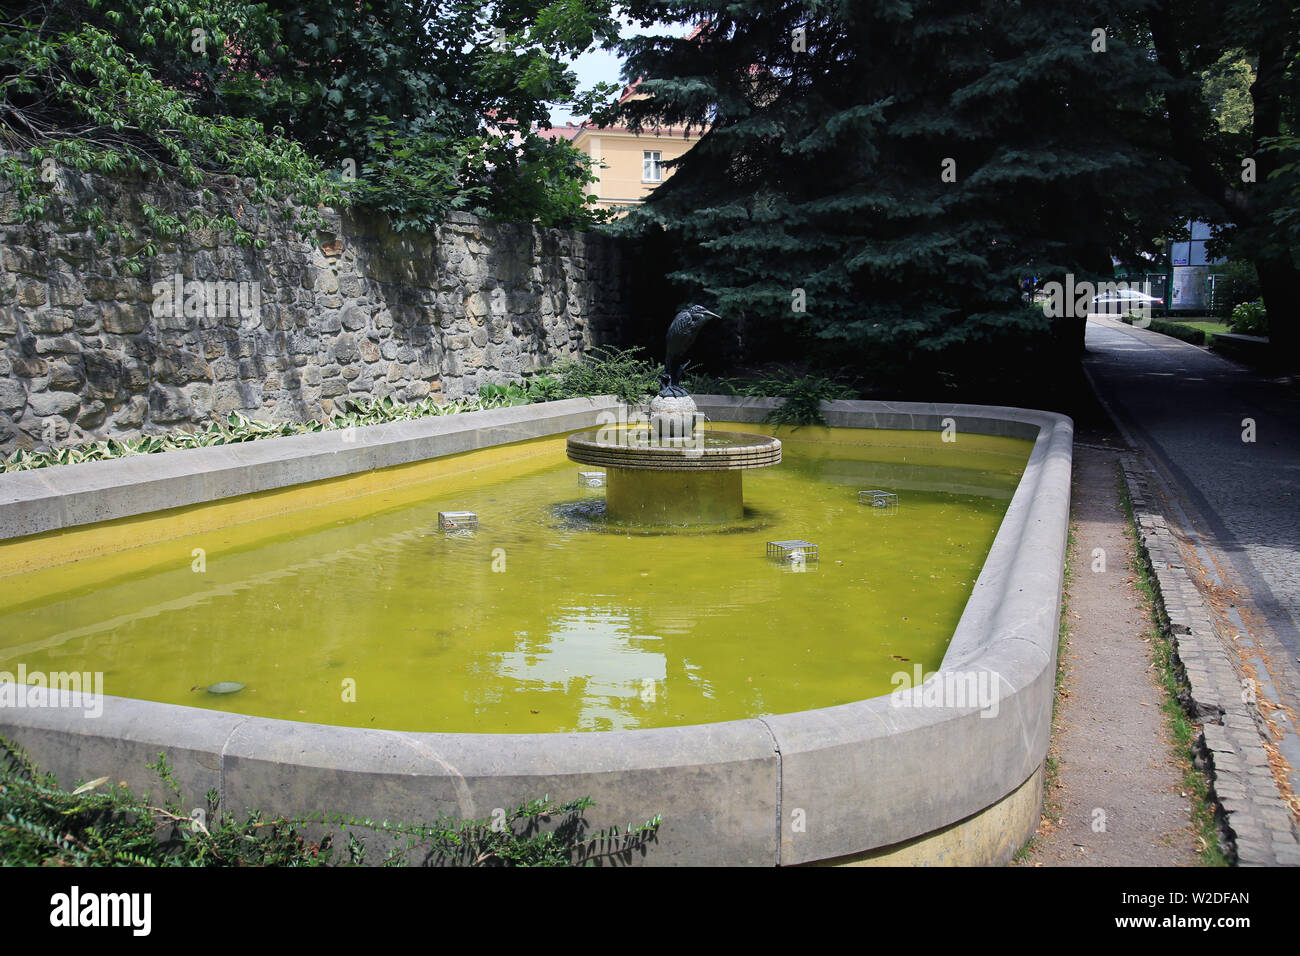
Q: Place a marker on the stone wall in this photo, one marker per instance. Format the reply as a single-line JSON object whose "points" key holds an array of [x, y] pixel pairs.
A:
{"points": [[88, 350]]}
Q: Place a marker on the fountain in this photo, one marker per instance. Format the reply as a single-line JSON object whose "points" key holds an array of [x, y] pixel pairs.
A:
{"points": [[401, 664], [667, 469]]}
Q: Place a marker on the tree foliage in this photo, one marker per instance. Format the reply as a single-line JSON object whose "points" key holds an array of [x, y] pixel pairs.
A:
{"points": [[1070, 134], [412, 108], [433, 102], [141, 87], [1228, 104], [893, 170]]}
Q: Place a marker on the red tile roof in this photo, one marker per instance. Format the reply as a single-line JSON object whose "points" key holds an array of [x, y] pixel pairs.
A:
{"points": [[566, 132]]}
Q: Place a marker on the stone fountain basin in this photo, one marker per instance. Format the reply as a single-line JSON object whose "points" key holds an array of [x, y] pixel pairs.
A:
{"points": [[709, 451], [673, 481], [865, 782]]}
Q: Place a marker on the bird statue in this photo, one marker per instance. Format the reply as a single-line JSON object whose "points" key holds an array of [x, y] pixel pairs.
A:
{"points": [[681, 336]]}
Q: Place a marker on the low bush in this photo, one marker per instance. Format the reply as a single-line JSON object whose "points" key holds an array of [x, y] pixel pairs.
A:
{"points": [[803, 392], [606, 371], [1178, 331], [1249, 318], [102, 824], [512, 393], [234, 428]]}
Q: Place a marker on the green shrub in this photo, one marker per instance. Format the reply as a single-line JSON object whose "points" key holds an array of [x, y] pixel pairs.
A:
{"points": [[102, 824], [803, 392], [512, 393], [1249, 318], [99, 824], [803, 395], [515, 839], [545, 388], [1178, 331], [607, 371]]}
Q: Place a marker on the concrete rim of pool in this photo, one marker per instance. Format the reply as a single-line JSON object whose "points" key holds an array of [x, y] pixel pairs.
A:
{"points": [[895, 779]]}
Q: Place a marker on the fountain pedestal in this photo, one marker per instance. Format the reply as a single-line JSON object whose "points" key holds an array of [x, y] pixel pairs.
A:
{"points": [[673, 497], [656, 478]]}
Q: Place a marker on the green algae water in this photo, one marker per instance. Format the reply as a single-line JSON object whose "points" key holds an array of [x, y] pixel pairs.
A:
{"points": [[545, 618]]}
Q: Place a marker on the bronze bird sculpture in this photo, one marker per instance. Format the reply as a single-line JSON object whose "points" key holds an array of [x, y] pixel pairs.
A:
{"points": [[682, 333]]}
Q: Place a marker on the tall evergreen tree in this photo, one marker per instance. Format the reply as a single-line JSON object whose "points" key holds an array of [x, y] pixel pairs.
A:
{"points": [[895, 168]]}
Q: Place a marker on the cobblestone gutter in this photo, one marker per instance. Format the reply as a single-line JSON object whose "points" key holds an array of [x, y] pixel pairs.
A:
{"points": [[1256, 824]]}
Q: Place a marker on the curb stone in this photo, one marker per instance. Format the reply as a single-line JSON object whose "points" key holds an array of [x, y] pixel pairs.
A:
{"points": [[1256, 827]]}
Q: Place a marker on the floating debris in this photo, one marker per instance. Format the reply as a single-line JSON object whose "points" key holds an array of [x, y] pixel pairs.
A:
{"points": [[225, 687]]}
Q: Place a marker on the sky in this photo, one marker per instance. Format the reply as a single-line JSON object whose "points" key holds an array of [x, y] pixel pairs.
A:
{"points": [[604, 66]]}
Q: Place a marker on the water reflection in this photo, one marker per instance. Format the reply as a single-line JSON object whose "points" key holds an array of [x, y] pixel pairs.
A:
{"points": [[595, 654]]}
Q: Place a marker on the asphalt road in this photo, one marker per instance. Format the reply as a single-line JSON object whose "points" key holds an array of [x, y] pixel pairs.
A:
{"points": [[1192, 412]]}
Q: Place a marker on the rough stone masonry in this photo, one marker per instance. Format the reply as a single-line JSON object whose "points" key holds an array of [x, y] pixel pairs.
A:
{"points": [[90, 351]]}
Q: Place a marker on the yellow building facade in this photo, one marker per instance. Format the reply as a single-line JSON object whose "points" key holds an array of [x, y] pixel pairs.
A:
{"points": [[629, 165]]}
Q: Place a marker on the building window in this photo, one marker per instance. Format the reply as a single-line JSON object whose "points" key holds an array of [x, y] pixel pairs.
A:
{"points": [[651, 170]]}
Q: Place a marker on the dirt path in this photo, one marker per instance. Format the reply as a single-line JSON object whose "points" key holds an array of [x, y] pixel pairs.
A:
{"points": [[1116, 800]]}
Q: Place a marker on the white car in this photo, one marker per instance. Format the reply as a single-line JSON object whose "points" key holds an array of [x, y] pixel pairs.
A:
{"points": [[1124, 301]]}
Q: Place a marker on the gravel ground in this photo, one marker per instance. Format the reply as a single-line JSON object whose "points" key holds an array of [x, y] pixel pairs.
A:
{"points": [[1117, 793]]}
